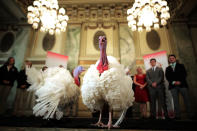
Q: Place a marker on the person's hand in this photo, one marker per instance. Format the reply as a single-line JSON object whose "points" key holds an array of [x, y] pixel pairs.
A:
{"points": [[6, 82], [154, 84], [23, 86], [142, 86], [177, 83]]}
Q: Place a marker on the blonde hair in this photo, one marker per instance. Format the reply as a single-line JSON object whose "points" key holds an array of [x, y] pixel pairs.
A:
{"points": [[141, 67], [24, 64]]}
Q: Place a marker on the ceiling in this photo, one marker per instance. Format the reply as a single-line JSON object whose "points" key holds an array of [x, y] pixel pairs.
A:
{"points": [[178, 7], [14, 11]]}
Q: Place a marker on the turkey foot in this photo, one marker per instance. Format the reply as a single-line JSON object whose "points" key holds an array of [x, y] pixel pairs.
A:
{"points": [[98, 124]]}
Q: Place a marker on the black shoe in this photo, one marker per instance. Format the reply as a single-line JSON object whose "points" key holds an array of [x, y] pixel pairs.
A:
{"points": [[192, 118], [177, 118], [152, 118], [168, 118]]}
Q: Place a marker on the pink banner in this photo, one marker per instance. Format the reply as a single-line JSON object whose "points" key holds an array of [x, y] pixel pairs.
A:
{"points": [[55, 59], [161, 57]]}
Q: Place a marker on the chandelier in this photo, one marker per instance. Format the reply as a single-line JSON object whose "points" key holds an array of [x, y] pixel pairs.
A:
{"points": [[46, 15], [147, 14]]}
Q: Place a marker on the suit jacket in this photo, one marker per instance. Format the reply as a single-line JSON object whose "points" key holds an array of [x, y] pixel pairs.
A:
{"points": [[22, 79], [155, 76], [10, 75], [179, 74]]}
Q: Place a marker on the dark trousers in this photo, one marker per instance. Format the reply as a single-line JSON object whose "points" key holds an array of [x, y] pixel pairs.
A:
{"points": [[4, 93], [157, 93], [175, 94], [24, 102]]}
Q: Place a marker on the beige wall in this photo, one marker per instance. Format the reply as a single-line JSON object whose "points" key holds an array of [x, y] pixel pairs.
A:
{"points": [[37, 54], [88, 51], [165, 42]]}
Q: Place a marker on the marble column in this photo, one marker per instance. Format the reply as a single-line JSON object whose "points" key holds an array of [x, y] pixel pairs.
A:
{"points": [[72, 46], [127, 48]]}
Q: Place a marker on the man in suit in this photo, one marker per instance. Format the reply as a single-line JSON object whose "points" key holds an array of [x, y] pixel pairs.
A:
{"points": [[176, 76], [8, 74], [155, 80]]}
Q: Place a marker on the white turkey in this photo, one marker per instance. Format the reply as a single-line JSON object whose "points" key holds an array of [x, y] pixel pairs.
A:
{"points": [[35, 77], [107, 82], [57, 91]]}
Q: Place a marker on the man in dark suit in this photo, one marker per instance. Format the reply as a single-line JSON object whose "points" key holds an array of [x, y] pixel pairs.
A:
{"points": [[155, 80], [176, 76], [8, 74]]}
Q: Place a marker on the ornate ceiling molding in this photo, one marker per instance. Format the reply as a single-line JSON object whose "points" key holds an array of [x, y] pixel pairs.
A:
{"points": [[97, 12], [63, 2], [80, 11], [95, 25]]}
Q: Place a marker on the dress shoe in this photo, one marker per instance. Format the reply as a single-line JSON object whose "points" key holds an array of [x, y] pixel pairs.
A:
{"points": [[168, 118], [152, 118], [177, 118]]}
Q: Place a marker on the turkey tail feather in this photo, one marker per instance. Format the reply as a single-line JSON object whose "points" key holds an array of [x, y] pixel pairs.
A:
{"points": [[121, 118]]}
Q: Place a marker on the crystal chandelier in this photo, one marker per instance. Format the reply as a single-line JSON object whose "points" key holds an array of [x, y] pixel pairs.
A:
{"points": [[47, 15], [148, 14]]}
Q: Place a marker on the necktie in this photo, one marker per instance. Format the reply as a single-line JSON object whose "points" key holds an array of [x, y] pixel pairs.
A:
{"points": [[173, 66]]}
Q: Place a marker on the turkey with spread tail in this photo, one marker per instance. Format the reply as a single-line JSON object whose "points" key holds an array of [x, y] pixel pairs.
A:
{"points": [[54, 88]]}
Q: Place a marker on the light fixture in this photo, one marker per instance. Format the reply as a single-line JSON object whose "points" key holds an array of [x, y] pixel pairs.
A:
{"points": [[46, 15], [148, 14]]}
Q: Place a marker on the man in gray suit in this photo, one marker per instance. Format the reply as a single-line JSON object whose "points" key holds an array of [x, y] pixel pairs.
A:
{"points": [[155, 80]]}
